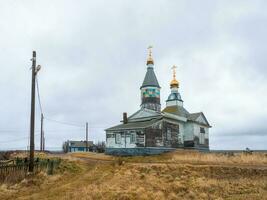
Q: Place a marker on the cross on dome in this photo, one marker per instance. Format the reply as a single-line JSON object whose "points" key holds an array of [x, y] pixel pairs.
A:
{"points": [[174, 82], [150, 59]]}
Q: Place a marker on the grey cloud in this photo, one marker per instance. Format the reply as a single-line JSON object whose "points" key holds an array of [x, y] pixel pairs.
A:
{"points": [[93, 63]]}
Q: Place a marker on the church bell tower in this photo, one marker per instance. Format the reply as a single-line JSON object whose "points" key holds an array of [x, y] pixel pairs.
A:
{"points": [[150, 89], [174, 98]]}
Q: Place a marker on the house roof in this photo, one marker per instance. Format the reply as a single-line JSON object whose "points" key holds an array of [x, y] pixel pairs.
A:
{"points": [[176, 110], [134, 125], [80, 143], [150, 78]]}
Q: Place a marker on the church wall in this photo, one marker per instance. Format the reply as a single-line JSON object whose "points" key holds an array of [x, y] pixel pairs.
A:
{"points": [[165, 134], [110, 139], [171, 133], [125, 139], [201, 139], [188, 131]]}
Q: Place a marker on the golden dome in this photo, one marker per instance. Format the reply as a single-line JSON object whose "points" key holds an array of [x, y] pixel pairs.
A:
{"points": [[174, 82]]}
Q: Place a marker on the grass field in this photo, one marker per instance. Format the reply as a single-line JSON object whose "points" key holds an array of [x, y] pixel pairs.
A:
{"points": [[176, 175]]}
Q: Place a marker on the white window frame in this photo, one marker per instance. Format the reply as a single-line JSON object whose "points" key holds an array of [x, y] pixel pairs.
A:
{"points": [[118, 138]]}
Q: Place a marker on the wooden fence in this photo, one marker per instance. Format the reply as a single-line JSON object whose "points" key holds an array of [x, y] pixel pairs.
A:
{"points": [[18, 168]]}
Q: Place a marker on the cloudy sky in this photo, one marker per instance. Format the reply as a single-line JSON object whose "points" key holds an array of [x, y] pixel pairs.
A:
{"points": [[93, 56]]}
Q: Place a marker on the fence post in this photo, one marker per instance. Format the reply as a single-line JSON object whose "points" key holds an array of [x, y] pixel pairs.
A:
{"points": [[50, 167]]}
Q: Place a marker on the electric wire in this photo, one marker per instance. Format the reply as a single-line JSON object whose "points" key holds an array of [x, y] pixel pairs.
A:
{"points": [[38, 94], [64, 122]]}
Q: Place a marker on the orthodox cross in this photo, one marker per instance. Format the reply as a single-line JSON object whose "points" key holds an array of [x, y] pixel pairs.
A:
{"points": [[150, 51], [174, 67]]}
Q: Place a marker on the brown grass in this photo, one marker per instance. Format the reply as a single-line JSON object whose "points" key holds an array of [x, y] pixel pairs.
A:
{"points": [[178, 175]]}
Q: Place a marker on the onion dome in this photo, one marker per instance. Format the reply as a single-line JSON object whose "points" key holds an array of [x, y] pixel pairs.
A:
{"points": [[174, 83]]}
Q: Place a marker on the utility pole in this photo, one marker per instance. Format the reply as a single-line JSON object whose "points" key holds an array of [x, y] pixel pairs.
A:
{"points": [[86, 136], [34, 73], [44, 144], [42, 134], [31, 165]]}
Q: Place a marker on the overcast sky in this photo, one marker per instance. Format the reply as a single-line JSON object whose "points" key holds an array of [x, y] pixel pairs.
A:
{"points": [[93, 58]]}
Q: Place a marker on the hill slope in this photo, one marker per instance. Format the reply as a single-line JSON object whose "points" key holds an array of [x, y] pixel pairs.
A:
{"points": [[177, 175]]}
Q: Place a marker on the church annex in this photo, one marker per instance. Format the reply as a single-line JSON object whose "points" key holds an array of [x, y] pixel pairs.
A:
{"points": [[151, 130]]}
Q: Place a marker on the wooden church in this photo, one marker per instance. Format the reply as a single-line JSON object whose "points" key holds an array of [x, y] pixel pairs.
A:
{"points": [[151, 130]]}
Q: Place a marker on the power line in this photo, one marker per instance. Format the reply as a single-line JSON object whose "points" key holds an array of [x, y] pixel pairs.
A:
{"points": [[65, 123], [38, 94], [18, 139]]}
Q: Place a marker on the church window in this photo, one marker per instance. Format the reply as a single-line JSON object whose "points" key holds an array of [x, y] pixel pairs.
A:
{"points": [[110, 136], [133, 138], [169, 134], [202, 135], [118, 138]]}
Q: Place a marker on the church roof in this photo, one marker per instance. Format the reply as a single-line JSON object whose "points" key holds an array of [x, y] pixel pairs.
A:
{"points": [[143, 114], [150, 78], [177, 110], [133, 125], [195, 117]]}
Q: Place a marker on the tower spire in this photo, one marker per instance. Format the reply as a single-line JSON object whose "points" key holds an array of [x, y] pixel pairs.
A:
{"points": [[150, 59], [174, 82]]}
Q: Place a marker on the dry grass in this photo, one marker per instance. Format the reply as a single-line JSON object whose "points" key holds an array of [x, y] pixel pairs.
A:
{"points": [[182, 156], [177, 175]]}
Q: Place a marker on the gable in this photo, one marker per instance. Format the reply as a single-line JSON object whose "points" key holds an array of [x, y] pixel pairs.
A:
{"points": [[202, 119], [143, 113]]}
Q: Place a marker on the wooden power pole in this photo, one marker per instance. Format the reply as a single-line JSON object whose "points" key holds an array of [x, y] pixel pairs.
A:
{"points": [[34, 73], [42, 133], [31, 164], [86, 136]]}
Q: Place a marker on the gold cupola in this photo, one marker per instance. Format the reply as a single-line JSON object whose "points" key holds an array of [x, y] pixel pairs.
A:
{"points": [[174, 82], [150, 59]]}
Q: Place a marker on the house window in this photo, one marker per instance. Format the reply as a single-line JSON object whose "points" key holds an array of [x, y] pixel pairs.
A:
{"points": [[132, 138], [118, 138], [202, 130], [169, 134]]}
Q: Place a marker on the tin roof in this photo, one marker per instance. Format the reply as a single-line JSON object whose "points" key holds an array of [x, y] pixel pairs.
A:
{"points": [[177, 110], [80, 143], [134, 125], [150, 78]]}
